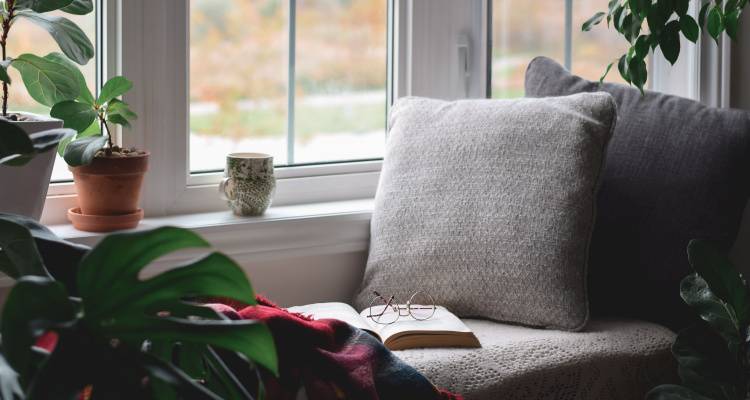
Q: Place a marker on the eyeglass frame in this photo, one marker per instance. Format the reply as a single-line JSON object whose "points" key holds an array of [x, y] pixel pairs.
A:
{"points": [[398, 307]]}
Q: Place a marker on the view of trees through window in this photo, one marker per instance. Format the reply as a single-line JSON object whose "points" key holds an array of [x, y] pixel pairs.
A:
{"points": [[29, 38], [520, 33], [240, 60]]}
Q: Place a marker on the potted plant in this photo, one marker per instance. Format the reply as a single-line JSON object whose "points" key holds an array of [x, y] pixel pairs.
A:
{"points": [[108, 178], [49, 80], [80, 323], [666, 21]]}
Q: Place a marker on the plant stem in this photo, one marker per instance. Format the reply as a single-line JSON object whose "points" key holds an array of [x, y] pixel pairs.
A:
{"points": [[106, 128], [11, 4]]}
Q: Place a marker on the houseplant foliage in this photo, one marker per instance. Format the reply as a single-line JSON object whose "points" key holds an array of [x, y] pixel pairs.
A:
{"points": [[651, 24], [119, 335], [713, 357], [92, 118], [17, 148]]}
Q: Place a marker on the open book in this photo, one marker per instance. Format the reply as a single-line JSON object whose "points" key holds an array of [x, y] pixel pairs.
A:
{"points": [[442, 330]]}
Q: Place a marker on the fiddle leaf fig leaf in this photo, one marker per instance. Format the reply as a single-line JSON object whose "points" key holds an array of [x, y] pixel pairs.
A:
{"points": [[79, 7], [82, 151], [41, 6], [85, 95], [721, 277], [114, 88], [75, 115], [72, 40], [4, 77], [717, 313], [47, 82], [15, 142]]}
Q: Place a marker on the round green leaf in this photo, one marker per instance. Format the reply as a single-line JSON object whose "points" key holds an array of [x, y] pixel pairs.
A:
{"points": [[82, 151], [114, 88], [689, 28], [47, 82], [72, 40], [42, 5], [732, 23], [14, 142], [75, 115]]}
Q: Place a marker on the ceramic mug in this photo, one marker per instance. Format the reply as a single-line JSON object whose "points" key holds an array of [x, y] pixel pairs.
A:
{"points": [[249, 183]]}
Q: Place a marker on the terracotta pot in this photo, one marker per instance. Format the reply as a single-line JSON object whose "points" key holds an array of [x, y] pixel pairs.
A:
{"points": [[25, 188], [110, 186]]}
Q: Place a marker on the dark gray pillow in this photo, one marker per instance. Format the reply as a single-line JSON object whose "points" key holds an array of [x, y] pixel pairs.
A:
{"points": [[676, 170], [488, 206]]}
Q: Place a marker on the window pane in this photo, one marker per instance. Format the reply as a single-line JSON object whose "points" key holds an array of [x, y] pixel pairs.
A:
{"points": [[520, 32], [341, 80], [26, 37], [239, 60], [595, 49], [238, 79]]}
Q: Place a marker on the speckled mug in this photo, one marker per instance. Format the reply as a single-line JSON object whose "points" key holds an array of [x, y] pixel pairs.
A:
{"points": [[249, 183]]}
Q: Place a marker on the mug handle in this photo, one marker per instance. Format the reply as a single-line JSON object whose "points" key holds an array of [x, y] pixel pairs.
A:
{"points": [[223, 188]]}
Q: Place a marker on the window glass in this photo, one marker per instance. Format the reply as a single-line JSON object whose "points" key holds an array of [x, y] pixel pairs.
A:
{"points": [[521, 32], [241, 97], [26, 37]]}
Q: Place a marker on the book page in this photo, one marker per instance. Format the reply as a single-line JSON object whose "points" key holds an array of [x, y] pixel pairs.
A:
{"points": [[339, 311], [442, 322]]}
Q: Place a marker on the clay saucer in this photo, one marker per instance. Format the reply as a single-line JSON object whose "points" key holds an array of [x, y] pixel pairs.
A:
{"points": [[104, 223]]}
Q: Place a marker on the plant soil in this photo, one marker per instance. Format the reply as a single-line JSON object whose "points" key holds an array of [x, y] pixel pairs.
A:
{"points": [[118, 152]]}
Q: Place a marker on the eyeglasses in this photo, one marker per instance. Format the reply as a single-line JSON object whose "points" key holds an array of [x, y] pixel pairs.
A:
{"points": [[421, 306]]}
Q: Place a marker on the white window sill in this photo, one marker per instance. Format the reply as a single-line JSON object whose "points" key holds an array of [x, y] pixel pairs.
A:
{"points": [[317, 227]]}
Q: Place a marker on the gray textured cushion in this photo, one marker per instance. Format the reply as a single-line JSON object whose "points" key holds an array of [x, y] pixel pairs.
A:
{"points": [[676, 170], [612, 360], [488, 205]]}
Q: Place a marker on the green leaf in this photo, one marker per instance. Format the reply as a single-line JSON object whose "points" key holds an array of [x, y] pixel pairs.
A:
{"points": [[681, 7], [85, 95], [715, 23], [657, 18], [75, 115], [689, 28], [638, 72], [10, 388], [606, 72], [696, 293], [674, 392], [33, 306], [48, 82], [79, 7], [4, 77], [641, 46], [94, 129], [82, 151], [732, 22], [617, 16], [640, 7], [119, 120], [594, 20], [119, 304], [42, 5], [19, 255], [118, 107], [72, 40], [714, 266], [14, 142], [114, 87], [630, 27], [705, 364], [49, 139], [622, 66], [669, 42], [60, 257]]}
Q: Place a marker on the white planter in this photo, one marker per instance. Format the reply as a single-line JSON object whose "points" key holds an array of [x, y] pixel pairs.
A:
{"points": [[23, 190]]}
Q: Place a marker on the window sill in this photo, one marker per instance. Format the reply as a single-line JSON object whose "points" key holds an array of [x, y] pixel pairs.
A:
{"points": [[341, 226]]}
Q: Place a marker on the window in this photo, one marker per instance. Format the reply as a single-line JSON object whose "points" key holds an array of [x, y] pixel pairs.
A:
{"points": [[304, 80], [29, 38], [551, 28]]}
